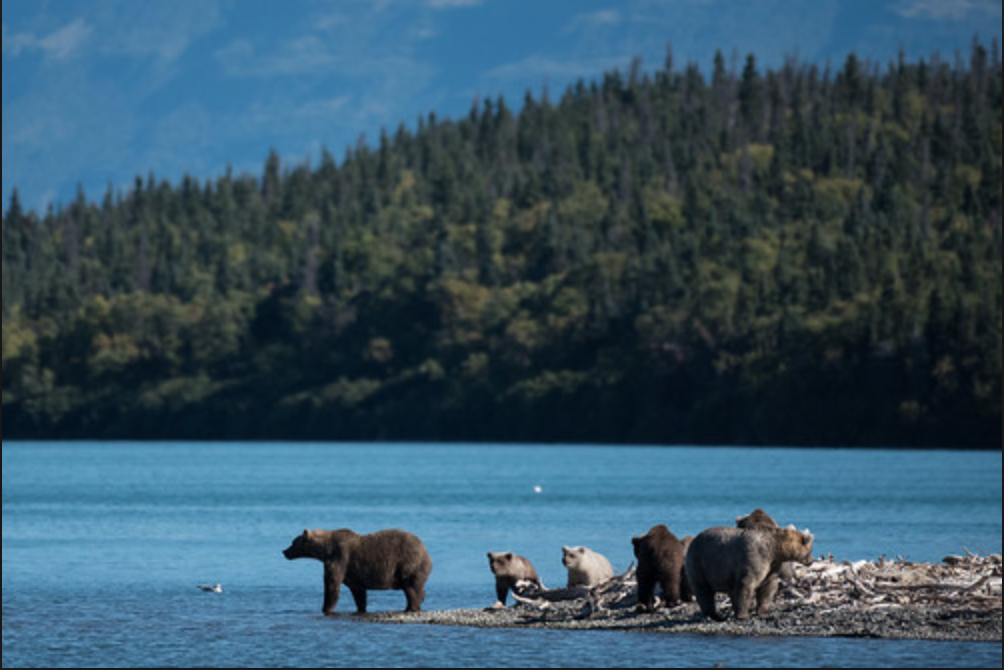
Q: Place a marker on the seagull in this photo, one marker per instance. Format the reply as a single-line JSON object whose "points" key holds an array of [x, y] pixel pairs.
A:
{"points": [[215, 588]]}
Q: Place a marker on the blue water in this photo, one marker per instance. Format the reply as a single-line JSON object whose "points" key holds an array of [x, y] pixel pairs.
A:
{"points": [[104, 544]]}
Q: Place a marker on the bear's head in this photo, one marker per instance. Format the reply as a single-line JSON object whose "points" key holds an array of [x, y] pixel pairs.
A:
{"points": [[795, 546], [309, 545], [757, 520], [572, 556], [501, 564]]}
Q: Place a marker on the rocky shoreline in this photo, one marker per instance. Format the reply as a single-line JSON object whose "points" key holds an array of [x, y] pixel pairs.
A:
{"points": [[957, 600]]}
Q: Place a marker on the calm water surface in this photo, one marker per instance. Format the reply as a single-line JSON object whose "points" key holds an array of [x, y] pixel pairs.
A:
{"points": [[104, 545]]}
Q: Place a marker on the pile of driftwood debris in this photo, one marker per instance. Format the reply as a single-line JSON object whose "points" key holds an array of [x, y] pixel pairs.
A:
{"points": [[960, 583], [617, 594]]}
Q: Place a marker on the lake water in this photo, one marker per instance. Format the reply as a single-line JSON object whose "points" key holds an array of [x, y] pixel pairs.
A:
{"points": [[104, 545]]}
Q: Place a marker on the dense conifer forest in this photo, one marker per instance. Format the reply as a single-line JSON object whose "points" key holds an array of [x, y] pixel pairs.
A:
{"points": [[803, 255]]}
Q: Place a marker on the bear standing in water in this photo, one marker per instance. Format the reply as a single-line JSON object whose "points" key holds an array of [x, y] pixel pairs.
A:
{"points": [[385, 561], [744, 565]]}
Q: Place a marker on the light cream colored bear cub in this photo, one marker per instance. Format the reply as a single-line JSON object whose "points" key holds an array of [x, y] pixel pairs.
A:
{"points": [[586, 568]]}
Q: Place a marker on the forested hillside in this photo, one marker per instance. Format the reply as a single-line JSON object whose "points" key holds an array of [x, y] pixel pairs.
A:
{"points": [[796, 256]]}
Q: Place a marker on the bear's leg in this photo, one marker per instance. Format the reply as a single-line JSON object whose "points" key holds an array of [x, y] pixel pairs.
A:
{"points": [[332, 587], [765, 594], [685, 594], [671, 590], [415, 596], [705, 599], [646, 594], [331, 595], [359, 595], [501, 590], [743, 597]]}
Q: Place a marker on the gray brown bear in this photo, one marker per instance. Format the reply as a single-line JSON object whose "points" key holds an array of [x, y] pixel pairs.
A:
{"points": [[585, 567], [510, 569], [384, 561], [760, 520], [661, 559], [743, 564]]}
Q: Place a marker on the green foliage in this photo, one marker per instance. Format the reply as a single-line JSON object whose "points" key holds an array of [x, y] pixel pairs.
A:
{"points": [[766, 257]]}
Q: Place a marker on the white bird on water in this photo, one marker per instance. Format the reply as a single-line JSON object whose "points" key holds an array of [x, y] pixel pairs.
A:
{"points": [[215, 588]]}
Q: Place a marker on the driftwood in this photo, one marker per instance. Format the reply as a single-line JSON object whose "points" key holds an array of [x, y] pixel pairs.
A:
{"points": [[959, 583], [618, 593]]}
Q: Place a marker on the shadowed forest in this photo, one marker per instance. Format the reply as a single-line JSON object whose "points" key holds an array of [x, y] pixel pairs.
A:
{"points": [[802, 255]]}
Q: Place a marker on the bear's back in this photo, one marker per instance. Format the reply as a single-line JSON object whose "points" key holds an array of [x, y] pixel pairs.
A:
{"points": [[758, 520], [387, 559], [658, 543]]}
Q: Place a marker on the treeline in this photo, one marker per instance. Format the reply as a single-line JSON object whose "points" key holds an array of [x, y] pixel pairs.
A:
{"points": [[792, 256]]}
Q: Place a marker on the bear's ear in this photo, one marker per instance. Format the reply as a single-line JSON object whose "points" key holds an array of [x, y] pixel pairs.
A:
{"points": [[306, 534], [509, 556], [491, 556], [807, 537], [566, 550], [636, 541]]}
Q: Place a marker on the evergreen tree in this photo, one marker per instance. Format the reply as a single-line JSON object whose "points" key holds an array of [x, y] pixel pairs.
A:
{"points": [[752, 244]]}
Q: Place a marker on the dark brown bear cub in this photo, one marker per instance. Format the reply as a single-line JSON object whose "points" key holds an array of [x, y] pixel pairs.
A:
{"points": [[661, 558], [384, 561]]}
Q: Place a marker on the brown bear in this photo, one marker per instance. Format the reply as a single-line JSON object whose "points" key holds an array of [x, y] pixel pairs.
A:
{"points": [[760, 520], [510, 569], [585, 567], [661, 558], [384, 561], [741, 564]]}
